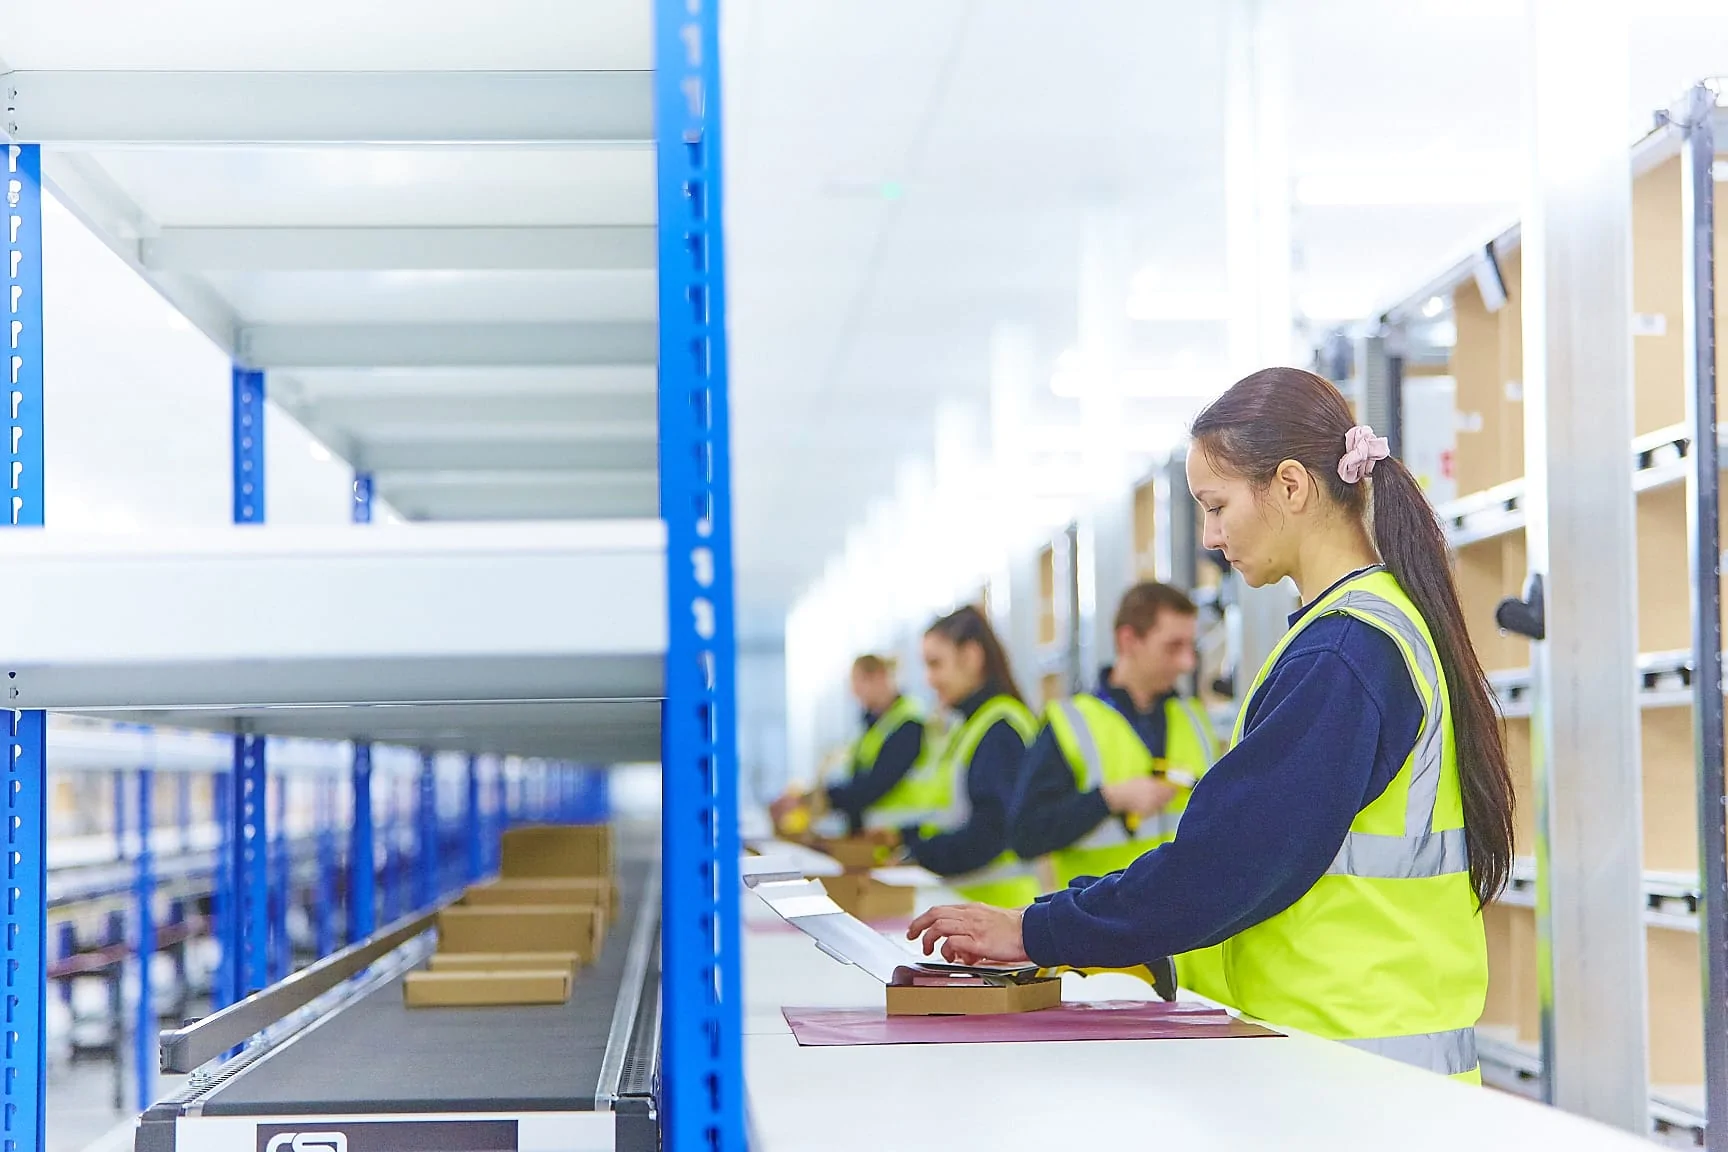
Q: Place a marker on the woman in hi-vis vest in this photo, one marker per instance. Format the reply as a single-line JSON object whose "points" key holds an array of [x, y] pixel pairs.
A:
{"points": [[1342, 850], [966, 785]]}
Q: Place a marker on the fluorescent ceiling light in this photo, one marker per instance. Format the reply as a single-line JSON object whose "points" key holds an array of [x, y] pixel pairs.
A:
{"points": [[1433, 307]]}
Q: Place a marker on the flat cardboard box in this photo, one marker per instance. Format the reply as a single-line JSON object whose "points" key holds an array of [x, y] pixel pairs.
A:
{"points": [[556, 850], [518, 928], [503, 961], [477, 989], [551, 890], [867, 898], [965, 994]]}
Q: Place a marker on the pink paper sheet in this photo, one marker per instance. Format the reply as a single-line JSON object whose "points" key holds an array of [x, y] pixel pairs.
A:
{"points": [[1085, 1020]]}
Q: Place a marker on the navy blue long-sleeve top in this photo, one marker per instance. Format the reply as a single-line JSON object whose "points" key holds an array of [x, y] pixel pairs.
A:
{"points": [[895, 758], [1323, 737], [989, 788], [1050, 811]]}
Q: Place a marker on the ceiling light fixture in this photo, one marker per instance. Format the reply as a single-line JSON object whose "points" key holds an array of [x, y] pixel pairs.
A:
{"points": [[1433, 307]]}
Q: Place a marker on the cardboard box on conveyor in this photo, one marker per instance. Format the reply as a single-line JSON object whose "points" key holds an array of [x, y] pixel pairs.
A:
{"points": [[521, 939], [560, 852]]}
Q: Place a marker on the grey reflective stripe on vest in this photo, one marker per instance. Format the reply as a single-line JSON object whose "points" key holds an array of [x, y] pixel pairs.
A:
{"points": [[1090, 756], [1202, 731], [1448, 1053], [1420, 852]]}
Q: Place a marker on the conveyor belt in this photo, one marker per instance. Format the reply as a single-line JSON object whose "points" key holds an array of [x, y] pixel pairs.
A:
{"points": [[377, 1056]]}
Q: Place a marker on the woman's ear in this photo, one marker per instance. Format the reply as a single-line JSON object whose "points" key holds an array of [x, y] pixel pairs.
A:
{"points": [[1293, 486]]}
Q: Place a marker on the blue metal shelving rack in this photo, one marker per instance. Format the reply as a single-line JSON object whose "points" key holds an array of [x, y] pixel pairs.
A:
{"points": [[702, 1078], [25, 967]]}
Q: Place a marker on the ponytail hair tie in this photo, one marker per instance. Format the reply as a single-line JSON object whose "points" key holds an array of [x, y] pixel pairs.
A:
{"points": [[1361, 449]]}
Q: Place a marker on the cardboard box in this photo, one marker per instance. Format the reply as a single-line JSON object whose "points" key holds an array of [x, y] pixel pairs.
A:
{"points": [[597, 890], [563, 850], [854, 853], [518, 928], [867, 898], [966, 994], [475, 989], [503, 961]]}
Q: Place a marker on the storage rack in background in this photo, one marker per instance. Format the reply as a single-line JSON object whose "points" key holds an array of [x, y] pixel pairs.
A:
{"points": [[652, 640]]}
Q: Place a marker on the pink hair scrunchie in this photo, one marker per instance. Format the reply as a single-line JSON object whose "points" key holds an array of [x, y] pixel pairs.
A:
{"points": [[1361, 449]]}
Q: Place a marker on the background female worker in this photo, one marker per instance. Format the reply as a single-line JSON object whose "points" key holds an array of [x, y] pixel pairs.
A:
{"points": [[1343, 848], [1109, 775], [892, 742], [969, 783]]}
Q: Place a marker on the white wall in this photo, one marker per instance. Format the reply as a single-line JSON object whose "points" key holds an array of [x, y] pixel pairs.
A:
{"points": [[136, 407]]}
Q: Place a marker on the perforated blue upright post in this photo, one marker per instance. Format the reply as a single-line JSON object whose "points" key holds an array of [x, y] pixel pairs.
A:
{"points": [[474, 830], [500, 810], [24, 969], [426, 834], [323, 914], [362, 864], [144, 1031], [251, 862], [392, 853], [224, 899], [281, 892], [703, 1080], [363, 487], [250, 847]]}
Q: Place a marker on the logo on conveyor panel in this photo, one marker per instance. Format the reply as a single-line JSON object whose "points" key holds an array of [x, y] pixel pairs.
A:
{"points": [[389, 1136]]}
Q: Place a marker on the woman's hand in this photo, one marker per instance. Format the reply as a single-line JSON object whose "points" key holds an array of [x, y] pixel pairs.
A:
{"points": [[972, 933]]}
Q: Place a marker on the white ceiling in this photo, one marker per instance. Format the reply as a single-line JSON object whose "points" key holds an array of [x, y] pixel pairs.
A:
{"points": [[903, 177]]}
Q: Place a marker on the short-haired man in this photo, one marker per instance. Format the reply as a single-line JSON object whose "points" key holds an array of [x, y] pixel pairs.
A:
{"points": [[1107, 778]]}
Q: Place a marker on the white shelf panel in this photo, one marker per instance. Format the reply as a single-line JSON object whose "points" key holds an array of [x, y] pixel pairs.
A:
{"points": [[1659, 459], [1664, 681], [538, 640]]}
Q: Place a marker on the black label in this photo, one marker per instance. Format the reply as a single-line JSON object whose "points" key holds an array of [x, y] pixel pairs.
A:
{"points": [[389, 1136]]}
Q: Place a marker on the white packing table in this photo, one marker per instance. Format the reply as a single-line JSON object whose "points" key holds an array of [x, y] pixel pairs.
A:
{"points": [[1293, 1093]]}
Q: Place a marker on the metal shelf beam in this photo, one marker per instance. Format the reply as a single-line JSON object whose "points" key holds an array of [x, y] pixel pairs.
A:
{"points": [[505, 345], [620, 248], [330, 108]]}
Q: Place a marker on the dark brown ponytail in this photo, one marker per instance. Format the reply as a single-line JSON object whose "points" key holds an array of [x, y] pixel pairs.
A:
{"points": [[1284, 414], [968, 626]]}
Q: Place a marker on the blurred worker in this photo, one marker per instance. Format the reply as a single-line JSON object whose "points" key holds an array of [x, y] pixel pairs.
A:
{"points": [[893, 741], [1108, 777], [969, 783], [1344, 847]]}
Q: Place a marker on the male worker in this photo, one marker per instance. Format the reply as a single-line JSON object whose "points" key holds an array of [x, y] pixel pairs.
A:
{"points": [[893, 741], [1110, 773]]}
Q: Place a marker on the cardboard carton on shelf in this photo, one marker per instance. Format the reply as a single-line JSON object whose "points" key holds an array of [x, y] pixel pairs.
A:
{"points": [[522, 928], [503, 961], [862, 895], [552, 851], [464, 989], [920, 992]]}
